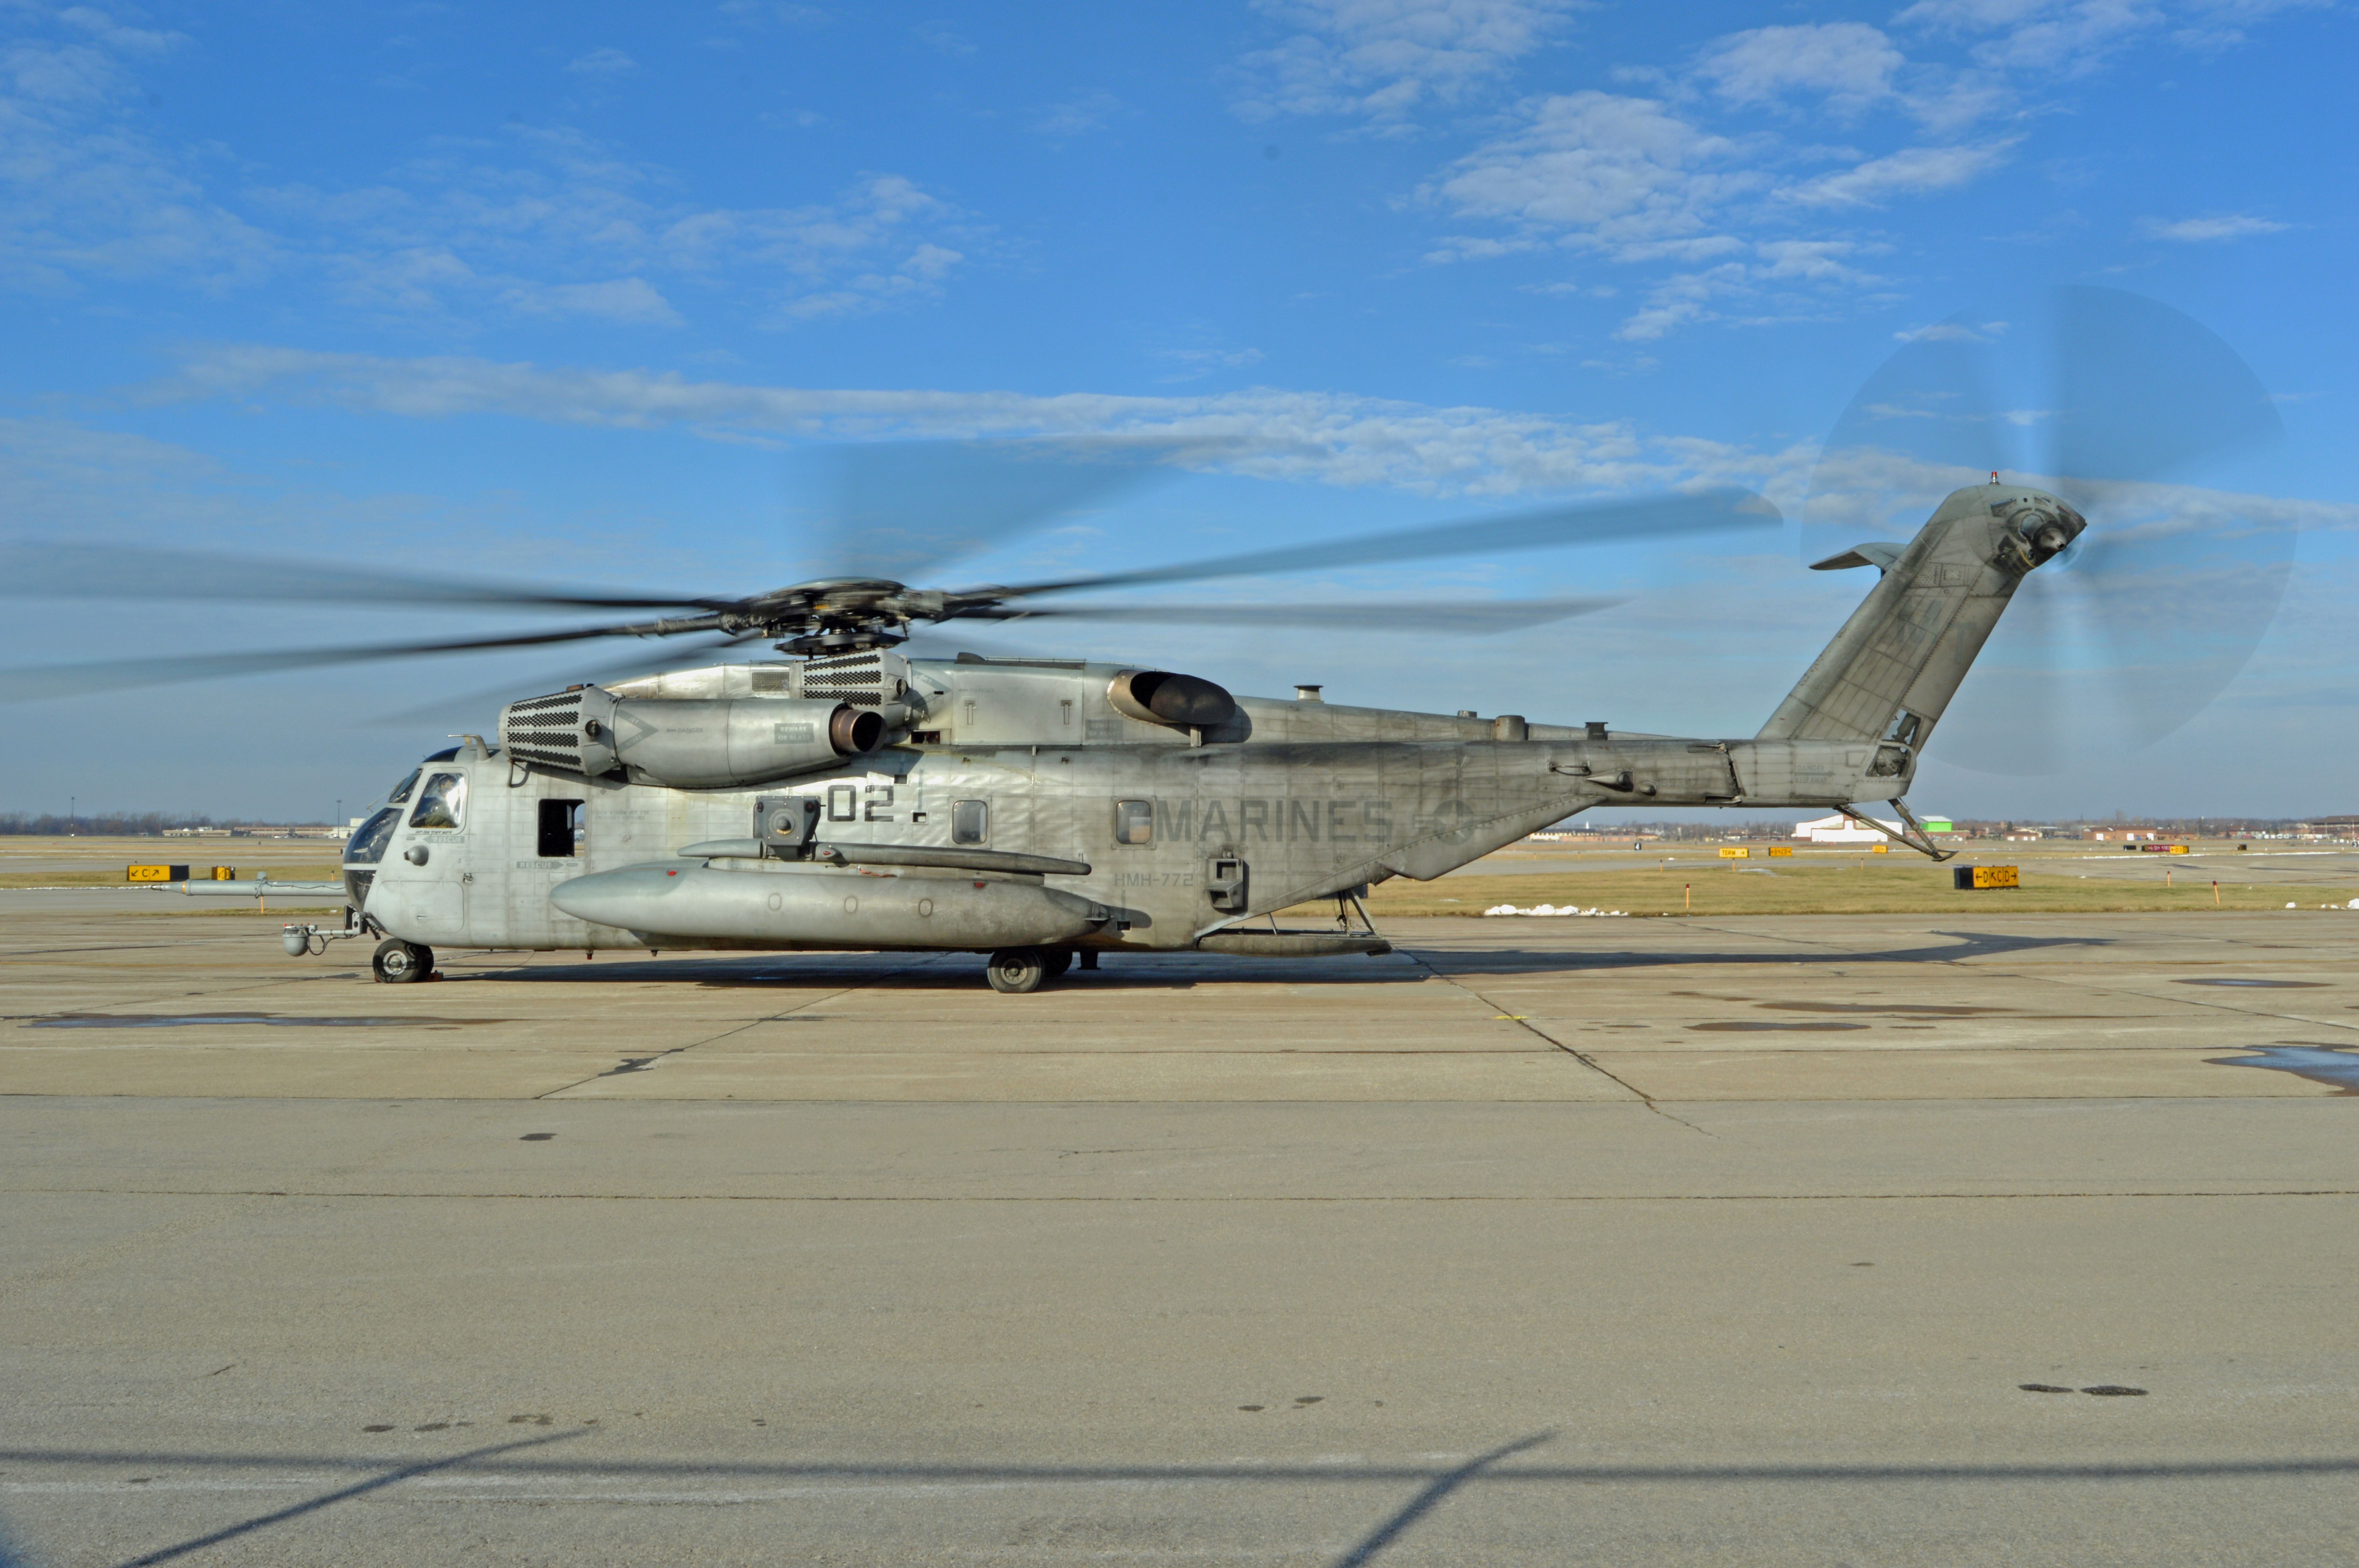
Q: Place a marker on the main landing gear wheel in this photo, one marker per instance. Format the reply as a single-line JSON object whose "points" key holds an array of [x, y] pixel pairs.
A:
{"points": [[1060, 961], [1015, 970], [399, 963]]}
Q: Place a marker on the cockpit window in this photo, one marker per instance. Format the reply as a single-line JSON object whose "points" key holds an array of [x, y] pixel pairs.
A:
{"points": [[401, 791], [367, 845], [442, 803]]}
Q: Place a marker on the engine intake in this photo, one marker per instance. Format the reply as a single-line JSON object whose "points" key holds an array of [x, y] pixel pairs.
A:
{"points": [[1175, 701], [689, 744]]}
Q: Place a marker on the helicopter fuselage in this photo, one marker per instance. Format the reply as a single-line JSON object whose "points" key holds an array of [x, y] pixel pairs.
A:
{"points": [[876, 802], [1184, 834]]}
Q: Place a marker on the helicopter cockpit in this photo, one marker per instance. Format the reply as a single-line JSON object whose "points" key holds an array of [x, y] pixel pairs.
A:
{"points": [[440, 803]]}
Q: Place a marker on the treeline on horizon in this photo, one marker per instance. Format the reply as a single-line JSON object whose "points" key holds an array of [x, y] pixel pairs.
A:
{"points": [[122, 824]]}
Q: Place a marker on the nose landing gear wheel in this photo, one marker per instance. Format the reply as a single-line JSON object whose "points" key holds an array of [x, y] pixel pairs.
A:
{"points": [[1015, 970], [399, 963]]}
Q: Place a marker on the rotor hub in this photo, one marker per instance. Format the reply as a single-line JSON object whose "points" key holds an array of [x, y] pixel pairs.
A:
{"points": [[2043, 529], [846, 639]]}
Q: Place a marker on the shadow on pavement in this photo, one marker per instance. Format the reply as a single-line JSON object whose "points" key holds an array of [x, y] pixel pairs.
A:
{"points": [[1965, 944], [1182, 971], [1435, 1481]]}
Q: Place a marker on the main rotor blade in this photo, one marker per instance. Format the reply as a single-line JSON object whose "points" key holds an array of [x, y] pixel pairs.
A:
{"points": [[659, 660], [34, 683], [1585, 523], [35, 568], [902, 509], [1378, 615]]}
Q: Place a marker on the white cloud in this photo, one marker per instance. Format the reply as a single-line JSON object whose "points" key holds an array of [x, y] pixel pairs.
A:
{"points": [[1769, 284], [940, 38], [1194, 363], [1480, 247], [2073, 37], [81, 194], [1818, 260], [115, 35], [1912, 171], [1650, 181], [602, 62], [444, 236], [1079, 114], [1632, 179], [631, 300], [1385, 59], [1331, 438], [2197, 231], [1848, 64], [1618, 173], [546, 221], [1683, 299], [2069, 36], [1950, 332]]}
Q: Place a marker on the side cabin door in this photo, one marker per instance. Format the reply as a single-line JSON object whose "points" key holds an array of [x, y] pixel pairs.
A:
{"points": [[546, 841]]}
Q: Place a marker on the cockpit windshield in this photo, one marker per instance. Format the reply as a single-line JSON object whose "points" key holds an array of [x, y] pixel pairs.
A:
{"points": [[367, 845], [401, 791], [442, 803]]}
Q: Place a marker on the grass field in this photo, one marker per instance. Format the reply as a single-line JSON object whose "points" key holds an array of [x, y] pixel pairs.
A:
{"points": [[1880, 887]]}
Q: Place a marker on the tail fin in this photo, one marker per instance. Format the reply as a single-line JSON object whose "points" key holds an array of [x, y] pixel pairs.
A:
{"points": [[1899, 660]]}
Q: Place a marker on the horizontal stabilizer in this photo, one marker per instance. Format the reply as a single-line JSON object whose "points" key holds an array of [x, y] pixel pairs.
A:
{"points": [[1880, 556]]}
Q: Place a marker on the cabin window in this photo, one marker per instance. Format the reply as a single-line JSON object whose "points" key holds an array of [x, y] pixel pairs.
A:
{"points": [[842, 803], [561, 829], [1134, 821], [442, 803], [969, 822], [401, 791]]}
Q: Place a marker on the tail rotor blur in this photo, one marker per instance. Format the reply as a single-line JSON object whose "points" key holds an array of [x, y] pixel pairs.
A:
{"points": [[2123, 406]]}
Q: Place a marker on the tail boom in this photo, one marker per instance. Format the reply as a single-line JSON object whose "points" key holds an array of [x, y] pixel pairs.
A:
{"points": [[1884, 680]]}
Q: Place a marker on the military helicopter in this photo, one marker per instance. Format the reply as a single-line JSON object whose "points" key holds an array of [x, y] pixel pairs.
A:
{"points": [[855, 795]]}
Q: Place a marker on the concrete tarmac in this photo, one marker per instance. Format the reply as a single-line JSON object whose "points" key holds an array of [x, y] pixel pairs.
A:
{"points": [[1765, 1241]]}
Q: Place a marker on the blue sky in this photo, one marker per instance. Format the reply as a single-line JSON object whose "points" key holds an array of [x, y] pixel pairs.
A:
{"points": [[562, 292]]}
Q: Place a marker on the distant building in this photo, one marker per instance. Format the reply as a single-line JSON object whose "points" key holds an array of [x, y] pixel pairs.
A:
{"points": [[2123, 835], [1838, 830]]}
